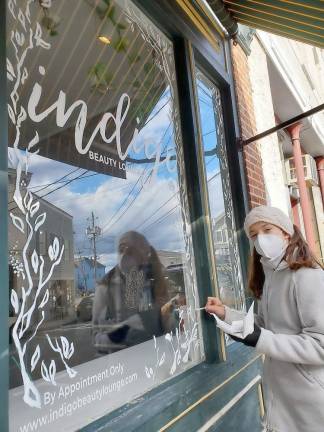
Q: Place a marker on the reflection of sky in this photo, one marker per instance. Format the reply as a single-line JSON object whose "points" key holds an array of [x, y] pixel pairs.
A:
{"points": [[139, 202], [208, 127]]}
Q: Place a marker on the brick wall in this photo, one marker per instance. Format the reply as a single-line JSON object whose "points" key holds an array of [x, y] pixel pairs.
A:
{"points": [[251, 154]]}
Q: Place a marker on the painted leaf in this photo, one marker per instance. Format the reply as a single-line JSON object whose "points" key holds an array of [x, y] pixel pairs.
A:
{"points": [[56, 248], [14, 301], [22, 116], [18, 222], [71, 351], [11, 114], [147, 372], [35, 261], [11, 7], [10, 69], [20, 38], [34, 208], [185, 358], [44, 372], [65, 346], [22, 18], [39, 221], [35, 358], [24, 323], [45, 300], [168, 337], [28, 200], [173, 367], [24, 76], [162, 359], [52, 372], [38, 37], [31, 395]]}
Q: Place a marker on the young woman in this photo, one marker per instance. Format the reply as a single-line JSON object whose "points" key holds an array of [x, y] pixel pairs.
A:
{"points": [[289, 327]]}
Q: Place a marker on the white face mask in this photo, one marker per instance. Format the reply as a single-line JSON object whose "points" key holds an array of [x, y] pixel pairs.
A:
{"points": [[270, 245]]}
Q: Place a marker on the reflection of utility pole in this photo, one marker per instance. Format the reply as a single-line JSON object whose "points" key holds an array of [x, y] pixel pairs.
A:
{"points": [[81, 268], [93, 231]]}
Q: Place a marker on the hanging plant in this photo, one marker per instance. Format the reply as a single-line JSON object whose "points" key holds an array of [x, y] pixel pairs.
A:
{"points": [[50, 24], [99, 77]]}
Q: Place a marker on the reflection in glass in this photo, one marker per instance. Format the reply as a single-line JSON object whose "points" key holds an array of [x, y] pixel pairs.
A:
{"points": [[100, 248], [220, 200]]}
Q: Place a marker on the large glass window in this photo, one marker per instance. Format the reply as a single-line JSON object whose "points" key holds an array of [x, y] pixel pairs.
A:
{"points": [[219, 192], [102, 278]]}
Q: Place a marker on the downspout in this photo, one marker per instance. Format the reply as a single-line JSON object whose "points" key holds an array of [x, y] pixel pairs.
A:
{"points": [[294, 132], [320, 170]]}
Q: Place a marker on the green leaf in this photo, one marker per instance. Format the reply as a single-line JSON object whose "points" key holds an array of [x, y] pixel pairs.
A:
{"points": [[121, 26], [121, 45], [148, 67], [111, 14]]}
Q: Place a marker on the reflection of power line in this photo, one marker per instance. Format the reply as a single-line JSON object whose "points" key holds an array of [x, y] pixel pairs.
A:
{"points": [[161, 206], [158, 111], [62, 186], [55, 181], [131, 203], [163, 217], [109, 224], [173, 208], [138, 192], [122, 204], [42, 187], [60, 181]]}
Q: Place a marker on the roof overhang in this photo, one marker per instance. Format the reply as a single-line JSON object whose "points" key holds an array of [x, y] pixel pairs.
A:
{"points": [[301, 20]]}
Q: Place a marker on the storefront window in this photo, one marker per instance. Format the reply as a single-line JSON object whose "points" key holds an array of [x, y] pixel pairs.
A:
{"points": [[102, 279], [219, 191]]}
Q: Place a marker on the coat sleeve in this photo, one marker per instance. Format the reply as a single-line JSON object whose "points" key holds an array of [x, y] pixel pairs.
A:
{"points": [[307, 347], [235, 315]]}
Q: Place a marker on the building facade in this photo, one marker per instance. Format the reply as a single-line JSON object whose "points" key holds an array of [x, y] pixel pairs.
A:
{"points": [[286, 80]]}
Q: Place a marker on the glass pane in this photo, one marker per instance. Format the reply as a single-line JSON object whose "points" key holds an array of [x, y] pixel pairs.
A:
{"points": [[219, 192], [102, 278]]}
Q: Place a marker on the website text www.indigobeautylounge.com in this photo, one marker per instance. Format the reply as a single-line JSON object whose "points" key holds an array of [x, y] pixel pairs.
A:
{"points": [[67, 408]]}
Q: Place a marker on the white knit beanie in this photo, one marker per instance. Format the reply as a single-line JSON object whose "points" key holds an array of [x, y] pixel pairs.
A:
{"points": [[271, 215]]}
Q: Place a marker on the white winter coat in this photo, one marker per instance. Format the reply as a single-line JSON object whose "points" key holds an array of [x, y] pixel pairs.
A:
{"points": [[291, 314]]}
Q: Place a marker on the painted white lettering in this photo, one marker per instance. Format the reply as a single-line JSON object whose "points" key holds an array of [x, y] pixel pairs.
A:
{"points": [[63, 113], [49, 398]]}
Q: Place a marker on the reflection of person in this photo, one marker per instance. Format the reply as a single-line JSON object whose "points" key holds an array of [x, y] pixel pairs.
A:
{"points": [[131, 301], [289, 326]]}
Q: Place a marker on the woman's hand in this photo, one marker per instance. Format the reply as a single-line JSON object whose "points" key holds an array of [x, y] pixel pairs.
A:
{"points": [[214, 305]]}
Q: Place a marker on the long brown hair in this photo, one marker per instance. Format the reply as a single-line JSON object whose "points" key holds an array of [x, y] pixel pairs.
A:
{"points": [[297, 255]]}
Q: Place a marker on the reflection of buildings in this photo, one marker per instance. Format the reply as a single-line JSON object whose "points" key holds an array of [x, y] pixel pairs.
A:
{"points": [[168, 258], [223, 259], [173, 264], [57, 224], [84, 274]]}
